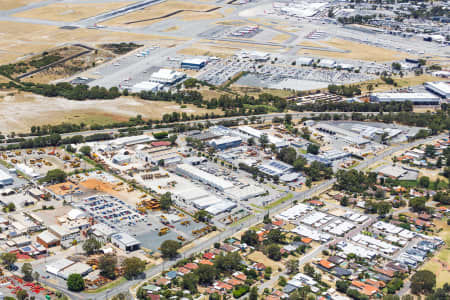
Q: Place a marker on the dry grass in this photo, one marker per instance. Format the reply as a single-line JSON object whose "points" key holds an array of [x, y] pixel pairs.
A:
{"points": [[162, 9], [69, 12], [19, 40], [280, 38], [232, 23], [173, 28], [440, 264], [21, 111], [208, 50], [357, 51], [381, 86], [259, 257], [11, 4]]}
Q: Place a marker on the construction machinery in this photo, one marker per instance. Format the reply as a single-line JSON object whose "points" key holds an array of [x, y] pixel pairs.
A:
{"points": [[180, 238], [163, 231]]}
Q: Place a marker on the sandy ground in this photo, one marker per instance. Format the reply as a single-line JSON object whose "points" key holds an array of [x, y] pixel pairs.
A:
{"points": [[357, 51], [69, 12], [207, 50], [162, 9], [259, 257], [112, 189], [20, 40], [11, 4], [19, 112]]}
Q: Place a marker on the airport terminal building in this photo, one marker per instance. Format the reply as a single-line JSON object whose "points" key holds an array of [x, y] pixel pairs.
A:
{"points": [[193, 64], [415, 98]]}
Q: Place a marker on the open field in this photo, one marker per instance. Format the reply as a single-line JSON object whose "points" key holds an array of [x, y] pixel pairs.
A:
{"points": [[380, 86], [280, 38], [11, 4], [357, 51], [157, 12], [440, 264], [208, 50], [20, 40], [19, 112], [69, 12]]}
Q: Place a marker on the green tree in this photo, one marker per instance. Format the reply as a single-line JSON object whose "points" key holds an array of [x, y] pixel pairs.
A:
{"points": [[253, 293], [292, 266], [169, 248], [190, 282], [27, 271], [423, 282], [273, 252], [300, 163], [313, 148], [424, 181], [22, 294], [250, 238], [107, 266], [275, 236], [8, 259], [55, 176], [75, 282], [166, 201], [86, 150], [133, 266], [264, 140], [91, 246], [206, 274]]}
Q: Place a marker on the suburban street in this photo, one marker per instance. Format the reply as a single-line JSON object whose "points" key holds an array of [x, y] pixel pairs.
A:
{"points": [[231, 230]]}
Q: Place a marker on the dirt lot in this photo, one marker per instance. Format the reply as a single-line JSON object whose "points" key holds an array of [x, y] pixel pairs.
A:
{"points": [[20, 40], [69, 12], [120, 192], [19, 112], [259, 257], [162, 9], [11, 4], [357, 51]]}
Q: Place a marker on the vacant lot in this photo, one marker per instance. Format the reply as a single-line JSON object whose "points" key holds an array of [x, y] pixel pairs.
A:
{"points": [[380, 86], [193, 11], [357, 51], [11, 4], [19, 112], [208, 50], [440, 264], [69, 12], [280, 38], [20, 40]]}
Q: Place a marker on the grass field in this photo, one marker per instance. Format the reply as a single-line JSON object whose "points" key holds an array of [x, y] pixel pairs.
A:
{"points": [[381, 86], [357, 51], [440, 264], [162, 9], [69, 12], [20, 40], [21, 111], [11, 4]]}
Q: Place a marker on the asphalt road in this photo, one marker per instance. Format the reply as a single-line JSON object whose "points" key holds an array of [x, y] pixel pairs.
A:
{"points": [[246, 224]]}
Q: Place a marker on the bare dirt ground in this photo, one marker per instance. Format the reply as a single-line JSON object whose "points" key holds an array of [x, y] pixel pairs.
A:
{"points": [[165, 8], [357, 51], [69, 12], [19, 112], [11, 4], [259, 257], [21, 40]]}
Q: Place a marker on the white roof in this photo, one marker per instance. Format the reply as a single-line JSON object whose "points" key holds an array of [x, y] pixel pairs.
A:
{"points": [[221, 207], [47, 237], [147, 86], [194, 61], [406, 96], [441, 86], [167, 74], [125, 239], [205, 202], [75, 214], [58, 265], [4, 176], [204, 176]]}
